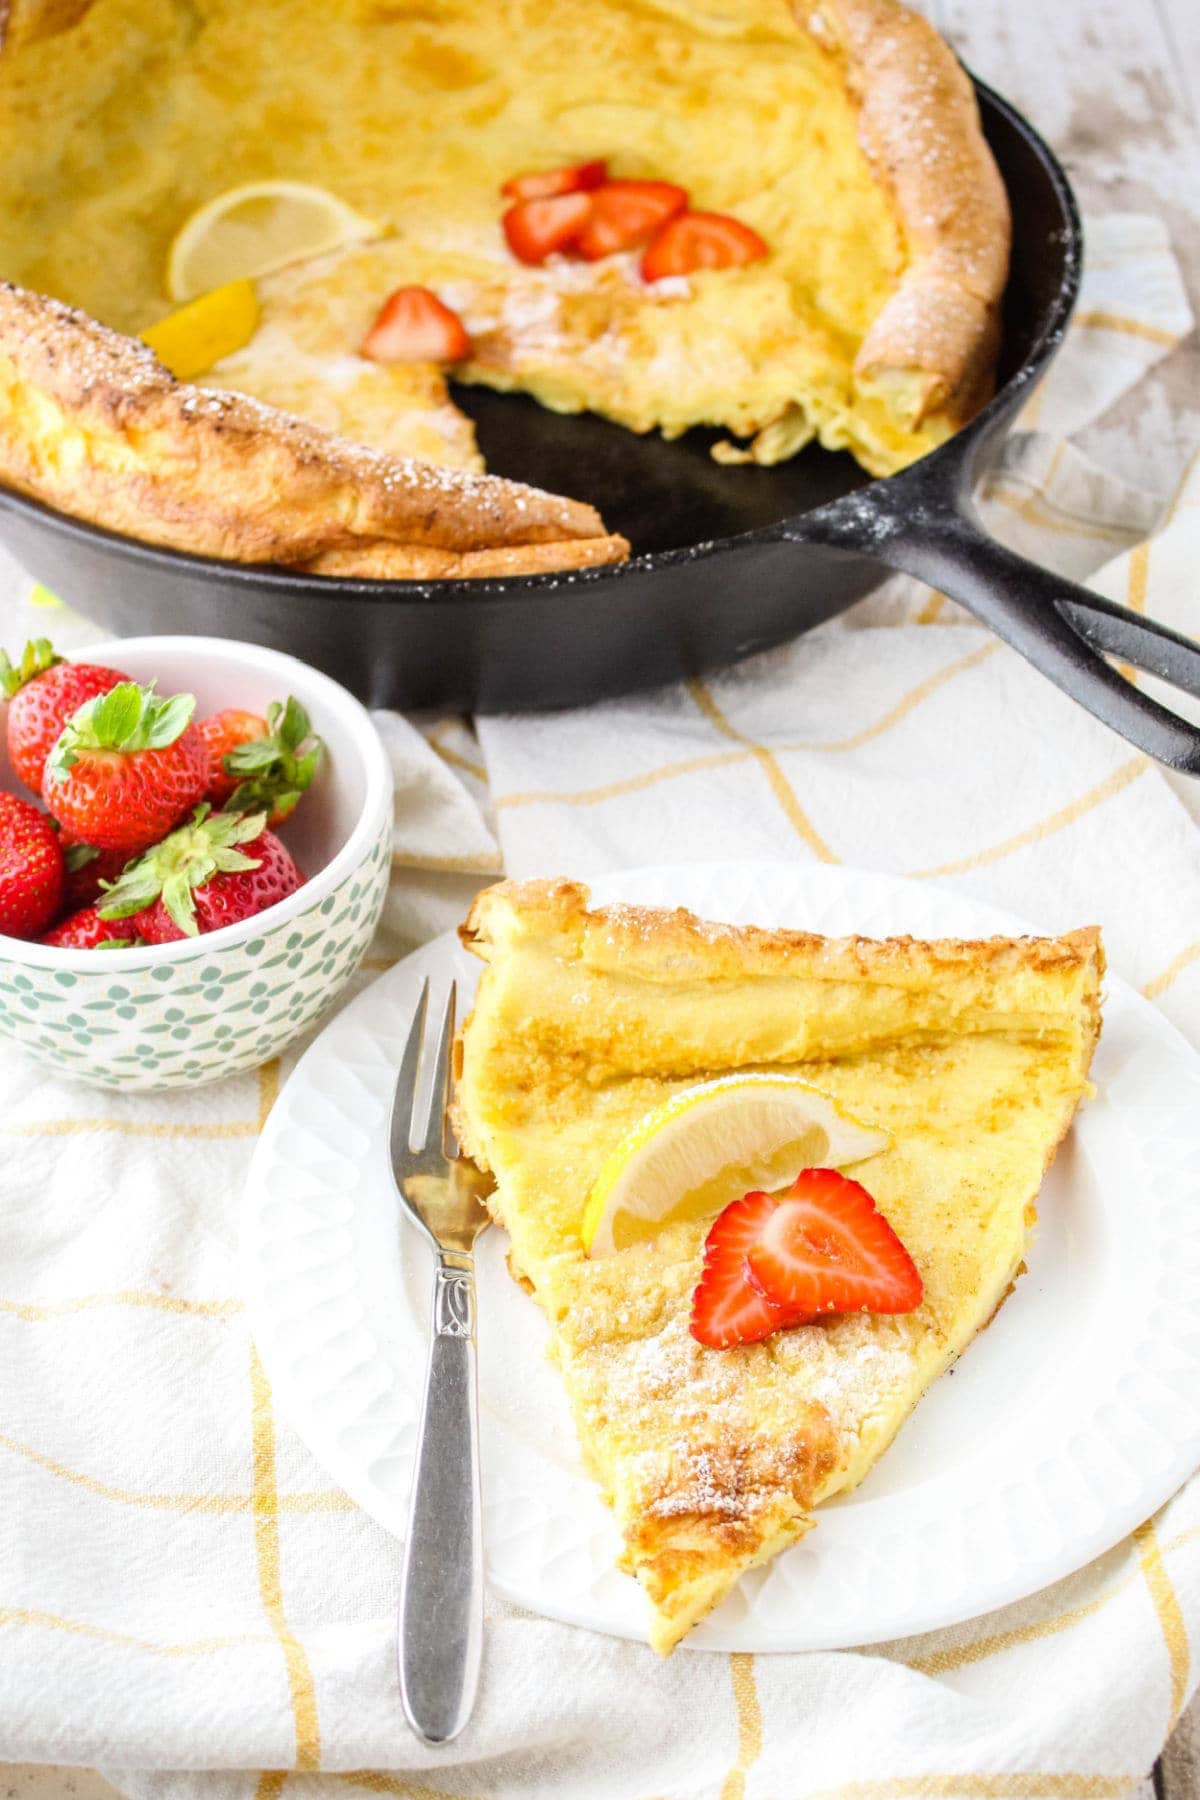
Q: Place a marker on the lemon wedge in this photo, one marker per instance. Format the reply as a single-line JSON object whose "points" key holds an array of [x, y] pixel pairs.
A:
{"points": [[712, 1143], [194, 337], [251, 230]]}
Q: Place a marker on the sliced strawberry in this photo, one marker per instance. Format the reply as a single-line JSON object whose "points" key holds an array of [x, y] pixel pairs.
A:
{"points": [[825, 1248], [536, 228], [700, 240], [542, 184], [726, 1308], [413, 325], [626, 213]]}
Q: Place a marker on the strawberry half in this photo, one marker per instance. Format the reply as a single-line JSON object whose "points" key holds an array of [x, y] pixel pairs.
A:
{"points": [[126, 768], [43, 691], [31, 869], [535, 229], [542, 184], [413, 325], [217, 870], [726, 1308], [625, 213], [260, 765], [700, 240], [824, 1247], [86, 930]]}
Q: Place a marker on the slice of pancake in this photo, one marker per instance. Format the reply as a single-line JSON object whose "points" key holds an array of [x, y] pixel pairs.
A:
{"points": [[972, 1056]]}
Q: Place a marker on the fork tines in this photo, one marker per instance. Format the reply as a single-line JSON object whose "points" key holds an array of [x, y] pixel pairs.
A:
{"points": [[421, 1136]]}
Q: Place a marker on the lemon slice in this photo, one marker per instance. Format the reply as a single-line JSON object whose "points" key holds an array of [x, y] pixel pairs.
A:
{"points": [[249, 231], [711, 1144], [197, 335]]}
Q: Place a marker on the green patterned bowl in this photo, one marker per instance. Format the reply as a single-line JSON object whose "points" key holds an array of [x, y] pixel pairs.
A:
{"points": [[176, 1015]]}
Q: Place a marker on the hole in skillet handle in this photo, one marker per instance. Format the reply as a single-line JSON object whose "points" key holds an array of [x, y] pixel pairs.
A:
{"points": [[923, 523]]}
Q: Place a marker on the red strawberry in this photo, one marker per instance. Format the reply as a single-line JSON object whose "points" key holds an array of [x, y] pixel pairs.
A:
{"points": [[413, 325], [726, 1309], [625, 213], [86, 930], [31, 869], [543, 183], [126, 768], [222, 733], [88, 869], [536, 228], [700, 240], [217, 870], [825, 1248], [43, 691], [260, 765]]}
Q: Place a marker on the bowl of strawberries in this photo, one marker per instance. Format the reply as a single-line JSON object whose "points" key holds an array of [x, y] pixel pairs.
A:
{"points": [[195, 844]]}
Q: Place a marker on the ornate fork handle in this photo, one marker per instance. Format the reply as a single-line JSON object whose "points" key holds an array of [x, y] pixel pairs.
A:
{"points": [[454, 1296], [441, 1594]]}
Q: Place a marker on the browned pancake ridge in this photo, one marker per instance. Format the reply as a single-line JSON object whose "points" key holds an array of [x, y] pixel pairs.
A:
{"points": [[92, 423], [919, 125]]}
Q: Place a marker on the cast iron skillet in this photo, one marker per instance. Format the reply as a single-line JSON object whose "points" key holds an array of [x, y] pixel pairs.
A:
{"points": [[729, 559]]}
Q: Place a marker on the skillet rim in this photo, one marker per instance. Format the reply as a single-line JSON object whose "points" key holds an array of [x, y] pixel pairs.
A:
{"points": [[949, 458]]}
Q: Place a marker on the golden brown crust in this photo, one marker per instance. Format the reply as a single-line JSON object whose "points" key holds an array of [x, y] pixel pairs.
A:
{"points": [[723, 1506], [92, 423], [646, 990], [21, 21], [408, 562], [644, 940], [932, 349]]}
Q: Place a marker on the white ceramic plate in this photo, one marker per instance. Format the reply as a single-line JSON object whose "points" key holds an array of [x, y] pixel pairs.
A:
{"points": [[1064, 1425]]}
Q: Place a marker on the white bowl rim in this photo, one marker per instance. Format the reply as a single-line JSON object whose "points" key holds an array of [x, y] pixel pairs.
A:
{"points": [[354, 851]]}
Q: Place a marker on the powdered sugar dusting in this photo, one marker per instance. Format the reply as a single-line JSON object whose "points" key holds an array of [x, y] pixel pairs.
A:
{"points": [[726, 1431], [76, 360]]}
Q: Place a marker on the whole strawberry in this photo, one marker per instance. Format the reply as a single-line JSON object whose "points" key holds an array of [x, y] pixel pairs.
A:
{"points": [[86, 930], [259, 764], [217, 870], [31, 869], [127, 767], [42, 692], [223, 733], [89, 871]]}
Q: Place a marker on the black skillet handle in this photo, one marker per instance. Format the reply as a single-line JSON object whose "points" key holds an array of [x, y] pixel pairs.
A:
{"points": [[1063, 630]]}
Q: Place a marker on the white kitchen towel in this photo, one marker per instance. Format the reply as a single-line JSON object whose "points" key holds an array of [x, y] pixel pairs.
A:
{"points": [[185, 1599]]}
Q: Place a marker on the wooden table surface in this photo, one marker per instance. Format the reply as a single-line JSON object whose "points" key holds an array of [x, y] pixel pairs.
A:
{"points": [[1115, 87]]}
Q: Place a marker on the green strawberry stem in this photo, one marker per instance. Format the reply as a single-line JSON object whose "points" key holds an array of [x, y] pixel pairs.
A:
{"points": [[275, 770], [184, 861], [38, 655], [128, 718]]}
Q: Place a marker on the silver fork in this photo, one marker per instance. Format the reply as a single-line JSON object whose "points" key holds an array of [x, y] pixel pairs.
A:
{"points": [[441, 1592]]}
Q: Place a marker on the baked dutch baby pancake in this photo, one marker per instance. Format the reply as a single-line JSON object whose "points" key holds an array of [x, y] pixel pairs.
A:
{"points": [[92, 423], [966, 1059], [830, 269]]}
